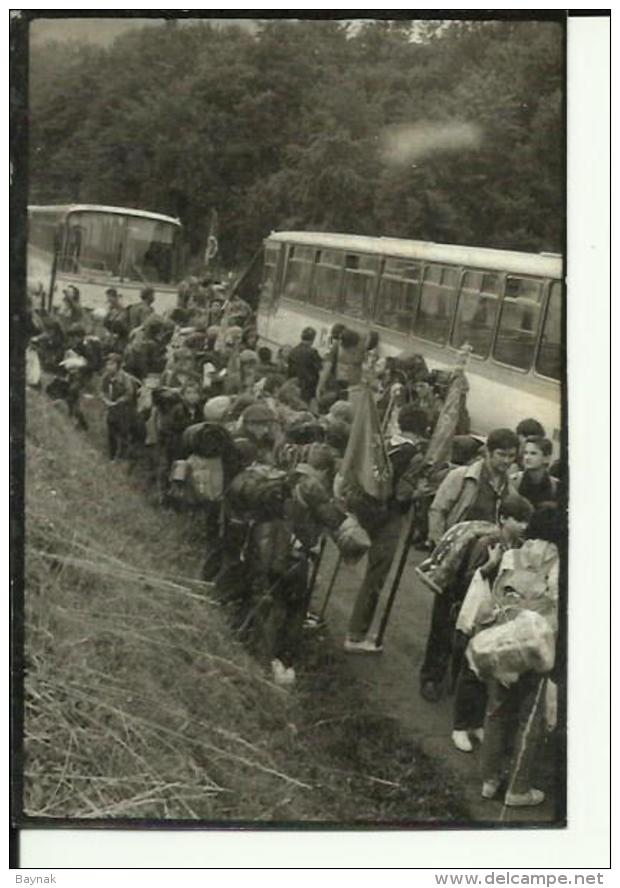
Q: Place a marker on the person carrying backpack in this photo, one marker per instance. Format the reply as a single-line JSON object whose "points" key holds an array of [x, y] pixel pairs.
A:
{"points": [[467, 493], [516, 657]]}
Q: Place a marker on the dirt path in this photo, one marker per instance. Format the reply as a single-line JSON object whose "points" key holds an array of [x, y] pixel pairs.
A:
{"points": [[392, 678]]}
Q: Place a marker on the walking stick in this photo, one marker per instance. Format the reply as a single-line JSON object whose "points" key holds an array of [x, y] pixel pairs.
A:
{"points": [[50, 295], [330, 589], [397, 578], [312, 621], [315, 570]]}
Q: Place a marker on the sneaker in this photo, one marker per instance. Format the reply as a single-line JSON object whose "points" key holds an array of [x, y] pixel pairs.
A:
{"points": [[479, 734], [524, 799], [489, 789], [461, 741], [313, 621], [366, 646], [277, 670], [281, 675], [430, 691]]}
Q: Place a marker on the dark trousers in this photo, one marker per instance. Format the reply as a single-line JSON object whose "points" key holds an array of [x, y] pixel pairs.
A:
{"points": [[282, 628], [118, 438], [514, 719], [75, 387], [470, 700], [439, 642], [384, 542]]}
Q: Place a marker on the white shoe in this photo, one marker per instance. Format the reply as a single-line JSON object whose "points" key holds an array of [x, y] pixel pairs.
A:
{"points": [[524, 799], [479, 734], [366, 646], [461, 741], [288, 679], [489, 789], [281, 675]]}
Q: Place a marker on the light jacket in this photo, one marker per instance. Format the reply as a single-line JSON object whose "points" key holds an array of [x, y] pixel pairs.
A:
{"points": [[455, 496]]}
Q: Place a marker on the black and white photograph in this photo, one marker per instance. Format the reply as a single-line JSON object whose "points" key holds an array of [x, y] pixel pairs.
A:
{"points": [[291, 364]]}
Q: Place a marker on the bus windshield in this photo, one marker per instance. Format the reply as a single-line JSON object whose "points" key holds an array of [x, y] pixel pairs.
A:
{"points": [[121, 247]]}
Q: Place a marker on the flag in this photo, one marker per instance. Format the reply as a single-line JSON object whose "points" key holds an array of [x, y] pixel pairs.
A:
{"points": [[439, 446], [248, 284], [365, 463], [212, 238]]}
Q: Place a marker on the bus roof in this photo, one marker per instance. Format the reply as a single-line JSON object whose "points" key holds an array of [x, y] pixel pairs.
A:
{"points": [[64, 209], [474, 257]]}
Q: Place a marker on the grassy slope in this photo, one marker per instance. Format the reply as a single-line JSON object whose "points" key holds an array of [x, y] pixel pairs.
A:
{"points": [[139, 703]]}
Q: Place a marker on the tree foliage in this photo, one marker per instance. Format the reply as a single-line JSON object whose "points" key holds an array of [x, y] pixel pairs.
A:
{"points": [[286, 127]]}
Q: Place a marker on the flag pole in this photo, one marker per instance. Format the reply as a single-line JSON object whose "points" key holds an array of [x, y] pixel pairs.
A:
{"points": [[315, 567], [441, 438], [397, 578], [330, 588]]}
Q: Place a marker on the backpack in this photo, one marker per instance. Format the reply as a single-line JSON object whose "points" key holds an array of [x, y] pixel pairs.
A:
{"points": [[213, 461], [93, 352], [258, 493], [205, 480]]}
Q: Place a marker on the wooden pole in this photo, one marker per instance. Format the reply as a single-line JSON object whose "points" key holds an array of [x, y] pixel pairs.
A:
{"points": [[397, 578], [315, 568], [330, 589], [50, 294]]}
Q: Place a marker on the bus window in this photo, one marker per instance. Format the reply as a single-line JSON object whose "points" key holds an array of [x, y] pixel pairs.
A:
{"points": [[41, 232], [326, 281], [436, 303], [518, 323], [94, 243], [150, 251], [360, 280], [298, 273], [398, 292], [476, 311], [271, 255], [549, 361]]}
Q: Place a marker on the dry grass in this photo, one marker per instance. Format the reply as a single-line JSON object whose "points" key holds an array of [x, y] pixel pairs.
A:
{"points": [[138, 701]]}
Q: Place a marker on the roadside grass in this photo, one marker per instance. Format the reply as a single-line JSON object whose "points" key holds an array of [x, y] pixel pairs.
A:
{"points": [[139, 703]]}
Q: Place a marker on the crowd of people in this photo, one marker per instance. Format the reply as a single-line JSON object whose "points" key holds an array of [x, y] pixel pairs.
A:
{"points": [[252, 438]]}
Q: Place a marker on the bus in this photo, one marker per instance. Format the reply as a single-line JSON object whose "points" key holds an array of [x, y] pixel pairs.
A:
{"points": [[432, 299], [97, 247]]}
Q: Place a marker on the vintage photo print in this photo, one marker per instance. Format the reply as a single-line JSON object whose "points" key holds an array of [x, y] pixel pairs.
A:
{"points": [[290, 434]]}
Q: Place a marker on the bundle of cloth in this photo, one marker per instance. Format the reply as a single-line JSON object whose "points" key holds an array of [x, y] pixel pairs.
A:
{"points": [[440, 569]]}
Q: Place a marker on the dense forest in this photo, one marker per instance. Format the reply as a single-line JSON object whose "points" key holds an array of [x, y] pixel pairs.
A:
{"points": [[451, 132]]}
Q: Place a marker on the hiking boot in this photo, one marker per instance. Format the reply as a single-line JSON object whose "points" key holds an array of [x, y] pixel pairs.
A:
{"points": [[461, 741], [430, 691], [524, 799], [489, 789], [366, 646]]}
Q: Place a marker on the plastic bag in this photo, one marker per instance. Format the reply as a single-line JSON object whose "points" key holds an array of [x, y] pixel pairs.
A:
{"points": [[352, 540], [507, 650], [477, 607], [33, 367]]}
